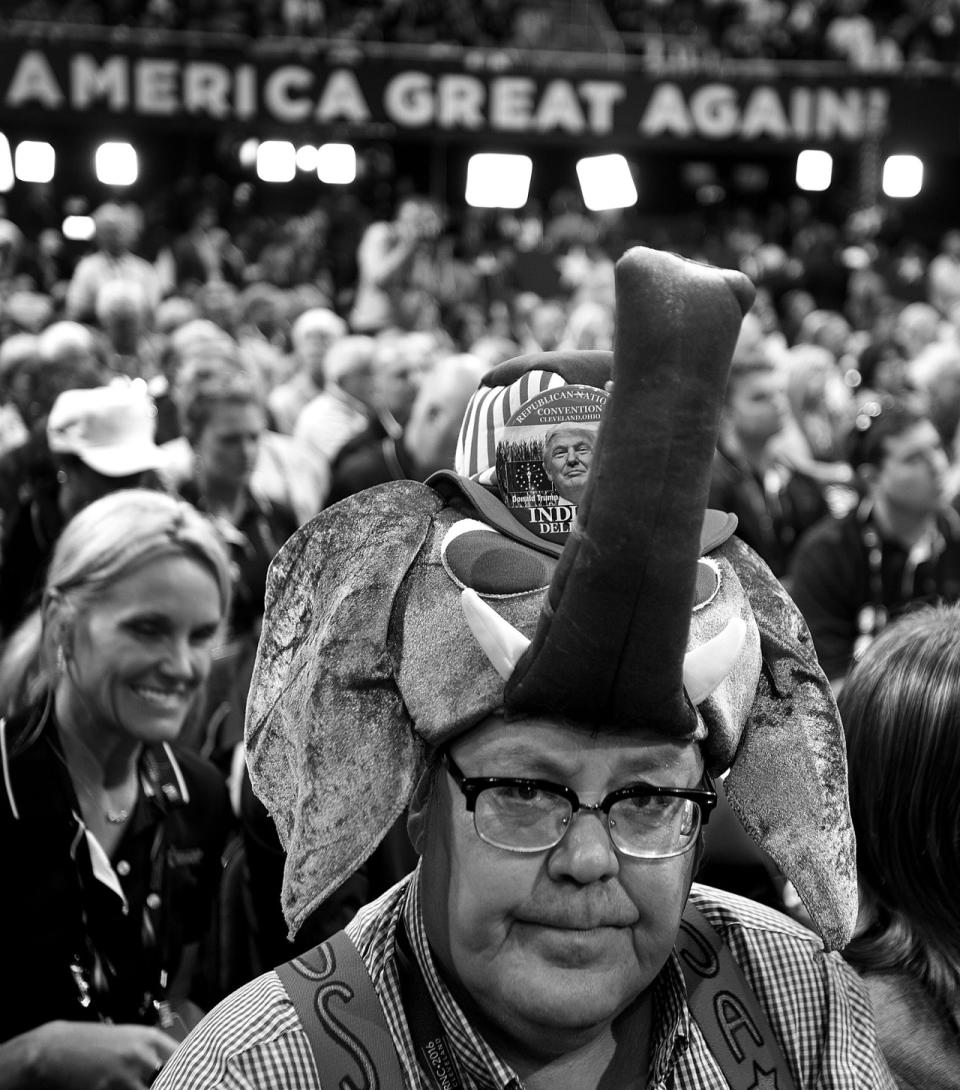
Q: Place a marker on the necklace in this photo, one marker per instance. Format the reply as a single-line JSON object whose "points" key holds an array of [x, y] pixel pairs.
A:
{"points": [[99, 799], [102, 803]]}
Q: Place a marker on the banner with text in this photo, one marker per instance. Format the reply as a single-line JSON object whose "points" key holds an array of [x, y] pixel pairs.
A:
{"points": [[473, 96]]}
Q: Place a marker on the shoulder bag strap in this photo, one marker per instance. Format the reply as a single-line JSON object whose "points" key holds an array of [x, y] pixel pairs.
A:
{"points": [[728, 1013], [341, 1015]]}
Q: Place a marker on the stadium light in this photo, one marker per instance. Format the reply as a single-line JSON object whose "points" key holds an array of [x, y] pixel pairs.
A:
{"points": [[78, 228], [34, 161], [248, 152], [606, 182], [6, 165], [498, 181], [814, 170], [116, 163], [336, 164], [902, 176], [306, 158], [276, 161]]}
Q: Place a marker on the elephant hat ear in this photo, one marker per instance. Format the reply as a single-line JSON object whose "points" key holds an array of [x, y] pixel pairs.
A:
{"points": [[330, 745], [788, 776]]}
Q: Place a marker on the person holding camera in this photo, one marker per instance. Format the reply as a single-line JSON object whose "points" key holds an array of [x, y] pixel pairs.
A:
{"points": [[400, 271]]}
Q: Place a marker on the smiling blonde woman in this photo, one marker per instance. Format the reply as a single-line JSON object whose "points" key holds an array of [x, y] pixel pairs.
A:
{"points": [[110, 837]]}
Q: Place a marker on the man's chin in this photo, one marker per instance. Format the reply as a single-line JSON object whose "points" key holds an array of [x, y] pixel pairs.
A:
{"points": [[596, 966], [560, 1008]]}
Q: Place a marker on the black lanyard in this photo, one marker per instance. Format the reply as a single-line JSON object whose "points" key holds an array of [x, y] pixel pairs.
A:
{"points": [[430, 1041], [91, 970]]}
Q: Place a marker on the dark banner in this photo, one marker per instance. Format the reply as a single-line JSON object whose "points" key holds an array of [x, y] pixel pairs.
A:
{"points": [[476, 96]]}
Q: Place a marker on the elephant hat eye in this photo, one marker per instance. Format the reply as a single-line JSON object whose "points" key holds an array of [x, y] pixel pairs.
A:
{"points": [[477, 557]]}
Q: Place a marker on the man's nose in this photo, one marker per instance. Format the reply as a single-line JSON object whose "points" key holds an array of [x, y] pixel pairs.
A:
{"points": [[586, 852]]}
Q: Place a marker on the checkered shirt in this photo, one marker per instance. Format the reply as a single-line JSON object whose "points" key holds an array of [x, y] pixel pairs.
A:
{"points": [[817, 1007]]}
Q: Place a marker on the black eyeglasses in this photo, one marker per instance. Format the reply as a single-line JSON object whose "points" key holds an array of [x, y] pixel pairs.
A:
{"points": [[526, 815]]}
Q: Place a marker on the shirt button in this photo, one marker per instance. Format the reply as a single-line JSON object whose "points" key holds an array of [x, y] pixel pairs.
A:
{"points": [[123, 868]]}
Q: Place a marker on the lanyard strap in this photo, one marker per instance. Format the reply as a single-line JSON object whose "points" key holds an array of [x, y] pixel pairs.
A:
{"points": [[430, 1040], [730, 1018], [342, 1016]]}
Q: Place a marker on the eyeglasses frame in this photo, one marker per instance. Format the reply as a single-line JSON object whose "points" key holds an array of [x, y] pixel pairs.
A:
{"points": [[471, 786]]}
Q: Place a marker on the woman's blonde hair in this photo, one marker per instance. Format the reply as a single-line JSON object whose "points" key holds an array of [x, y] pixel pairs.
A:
{"points": [[101, 544]]}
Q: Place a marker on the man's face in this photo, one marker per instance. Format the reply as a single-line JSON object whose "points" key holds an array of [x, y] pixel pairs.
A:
{"points": [[227, 448], [396, 379], [113, 236], [420, 217], [758, 406], [912, 476], [547, 324], [218, 302], [551, 946], [311, 349], [566, 460]]}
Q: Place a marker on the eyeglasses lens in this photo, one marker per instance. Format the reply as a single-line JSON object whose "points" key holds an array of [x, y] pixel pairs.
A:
{"points": [[521, 818], [524, 818], [654, 827]]}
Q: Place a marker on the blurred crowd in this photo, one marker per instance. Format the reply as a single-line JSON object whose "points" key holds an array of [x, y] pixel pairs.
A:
{"points": [[260, 370], [290, 362], [875, 36]]}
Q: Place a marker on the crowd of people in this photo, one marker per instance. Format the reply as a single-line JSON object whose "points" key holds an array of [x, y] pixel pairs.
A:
{"points": [[879, 37], [174, 410], [425, 21]]}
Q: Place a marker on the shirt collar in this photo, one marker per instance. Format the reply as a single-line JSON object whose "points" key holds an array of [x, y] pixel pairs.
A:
{"points": [[484, 1068], [671, 1021]]}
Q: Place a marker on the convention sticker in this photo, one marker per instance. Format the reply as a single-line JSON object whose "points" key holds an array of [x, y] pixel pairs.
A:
{"points": [[544, 452]]}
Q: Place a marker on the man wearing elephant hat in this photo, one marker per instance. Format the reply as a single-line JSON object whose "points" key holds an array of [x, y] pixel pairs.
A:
{"points": [[554, 725]]}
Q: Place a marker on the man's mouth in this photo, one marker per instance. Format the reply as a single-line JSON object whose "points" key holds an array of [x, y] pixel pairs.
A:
{"points": [[578, 929], [585, 921]]}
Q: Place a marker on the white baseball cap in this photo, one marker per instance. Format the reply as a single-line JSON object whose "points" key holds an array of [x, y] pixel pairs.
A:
{"points": [[111, 428]]}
